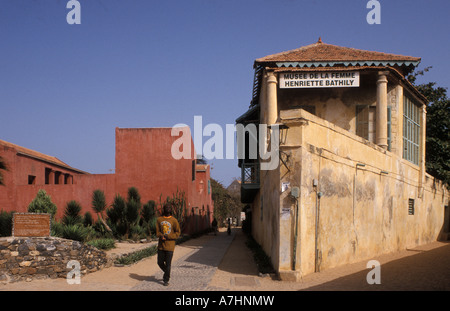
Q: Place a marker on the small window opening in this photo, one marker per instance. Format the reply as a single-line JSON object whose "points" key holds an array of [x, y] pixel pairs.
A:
{"points": [[31, 179], [67, 179], [411, 207], [48, 172], [57, 178]]}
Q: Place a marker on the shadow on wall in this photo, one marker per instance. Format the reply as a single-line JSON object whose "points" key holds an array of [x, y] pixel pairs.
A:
{"points": [[195, 224], [444, 234]]}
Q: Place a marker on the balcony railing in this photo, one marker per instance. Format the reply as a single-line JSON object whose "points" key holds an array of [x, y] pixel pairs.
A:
{"points": [[250, 173], [249, 181]]}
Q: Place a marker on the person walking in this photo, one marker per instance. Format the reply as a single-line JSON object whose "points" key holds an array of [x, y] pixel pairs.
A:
{"points": [[214, 226], [167, 230]]}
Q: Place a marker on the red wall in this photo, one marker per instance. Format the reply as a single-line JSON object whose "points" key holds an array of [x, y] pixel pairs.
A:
{"points": [[17, 194], [143, 160]]}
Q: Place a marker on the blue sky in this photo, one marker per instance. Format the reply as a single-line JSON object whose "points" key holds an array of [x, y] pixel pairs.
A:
{"points": [[144, 63]]}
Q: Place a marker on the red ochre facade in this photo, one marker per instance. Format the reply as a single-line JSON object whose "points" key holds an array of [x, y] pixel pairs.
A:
{"points": [[143, 160]]}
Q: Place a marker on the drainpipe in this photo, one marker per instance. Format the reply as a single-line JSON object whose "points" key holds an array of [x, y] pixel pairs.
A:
{"points": [[295, 195], [318, 196]]}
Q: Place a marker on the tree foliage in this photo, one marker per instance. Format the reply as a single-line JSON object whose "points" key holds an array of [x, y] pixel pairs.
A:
{"points": [[148, 217], [117, 215], [133, 206], [225, 204], [437, 127], [148, 211], [42, 203], [124, 216]]}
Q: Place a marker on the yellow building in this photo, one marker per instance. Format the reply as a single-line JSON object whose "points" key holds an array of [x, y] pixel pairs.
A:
{"points": [[350, 180]]}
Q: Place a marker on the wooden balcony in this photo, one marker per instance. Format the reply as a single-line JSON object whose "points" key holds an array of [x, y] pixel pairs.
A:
{"points": [[249, 181]]}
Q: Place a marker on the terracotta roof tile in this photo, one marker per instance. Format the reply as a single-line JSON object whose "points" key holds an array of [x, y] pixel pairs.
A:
{"points": [[37, 155], [327, 52]]}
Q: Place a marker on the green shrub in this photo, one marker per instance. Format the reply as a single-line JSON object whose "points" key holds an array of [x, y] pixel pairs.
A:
{"points": [[72, 213], [136, 256], [42, 203], [56, 229], [6, 223], [99, 230], [124, 217], [104, 244], [148, 211], [133, 207], [133, 194], [137, 232], [87, 219], [151, 225], [116, 216], [132, 212], [76, 232]]}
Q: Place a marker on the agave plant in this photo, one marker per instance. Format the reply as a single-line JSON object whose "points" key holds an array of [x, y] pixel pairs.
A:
{"points": [[72, 213], [75, 232], [99, 205]]}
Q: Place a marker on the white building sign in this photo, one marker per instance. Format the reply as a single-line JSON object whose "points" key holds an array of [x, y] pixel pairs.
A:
{"points": [[319, 79]]}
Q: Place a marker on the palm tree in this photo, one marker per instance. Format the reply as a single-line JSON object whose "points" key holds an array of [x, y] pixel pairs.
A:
{"points": [[99, 205]]}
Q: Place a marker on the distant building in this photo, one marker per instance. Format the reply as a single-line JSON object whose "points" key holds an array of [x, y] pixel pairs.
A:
{"points": [[235, 188], [143, 160], [351, 181]]}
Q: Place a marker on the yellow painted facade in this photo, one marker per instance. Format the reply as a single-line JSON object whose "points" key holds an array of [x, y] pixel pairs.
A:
{"points": [[357, 197]]}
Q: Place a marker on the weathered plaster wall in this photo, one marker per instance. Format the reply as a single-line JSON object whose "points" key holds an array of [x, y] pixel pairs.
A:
{"points": [[336, 105], [266, 222], [363, 211]]}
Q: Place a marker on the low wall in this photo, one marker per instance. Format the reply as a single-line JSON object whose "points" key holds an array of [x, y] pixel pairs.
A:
{"points": [[28, 258]]}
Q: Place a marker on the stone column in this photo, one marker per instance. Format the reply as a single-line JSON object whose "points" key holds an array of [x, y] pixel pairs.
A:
{"points": [[381, 129], [272, 105], [422, 146]]}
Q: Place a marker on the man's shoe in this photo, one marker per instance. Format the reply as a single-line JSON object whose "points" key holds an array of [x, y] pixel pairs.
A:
{"points": [[166, 283]]}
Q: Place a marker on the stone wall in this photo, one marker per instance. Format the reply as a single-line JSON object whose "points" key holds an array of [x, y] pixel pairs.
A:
{"points": [[28, 258]]}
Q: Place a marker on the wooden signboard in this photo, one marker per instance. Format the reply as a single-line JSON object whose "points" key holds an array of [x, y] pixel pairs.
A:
{"points": [[31, 225]]}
